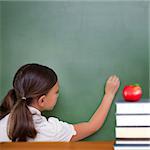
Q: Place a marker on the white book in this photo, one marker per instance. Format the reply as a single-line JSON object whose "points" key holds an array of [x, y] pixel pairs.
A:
{"points": [[132, 132], [133, 120], [131, 147], [132, 141], [140, 107]]}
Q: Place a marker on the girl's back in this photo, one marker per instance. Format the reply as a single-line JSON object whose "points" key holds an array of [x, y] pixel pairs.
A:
{"points": [[47, 130]]}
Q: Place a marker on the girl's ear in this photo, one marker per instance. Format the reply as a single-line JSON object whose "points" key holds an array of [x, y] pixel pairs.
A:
{"points": [[41, 101]]}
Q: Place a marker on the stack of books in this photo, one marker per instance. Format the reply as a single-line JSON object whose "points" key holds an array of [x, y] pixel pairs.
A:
{"points": [[132, 125]]}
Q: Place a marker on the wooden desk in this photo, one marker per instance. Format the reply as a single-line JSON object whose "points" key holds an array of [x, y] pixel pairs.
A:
{"points": [[103, 145]]}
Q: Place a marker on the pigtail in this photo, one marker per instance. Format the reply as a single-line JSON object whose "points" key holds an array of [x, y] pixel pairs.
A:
{"points": [[20, 125], [8, 103]]}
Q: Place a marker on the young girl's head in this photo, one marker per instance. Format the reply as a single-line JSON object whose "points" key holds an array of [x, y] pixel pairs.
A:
{"points": [[33, 85], [36, 85]]}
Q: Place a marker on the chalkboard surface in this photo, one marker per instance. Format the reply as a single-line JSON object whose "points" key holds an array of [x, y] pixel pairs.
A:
{"points": [[84, 42], [0, 46]]}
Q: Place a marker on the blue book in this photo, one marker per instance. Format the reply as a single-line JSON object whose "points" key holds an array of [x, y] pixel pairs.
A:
{"points": [[132, 147], [132, 141]]}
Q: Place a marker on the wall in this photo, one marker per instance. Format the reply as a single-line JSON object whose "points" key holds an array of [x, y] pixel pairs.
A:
{"points": [[149, 44], [84, 42], [0, 47]]}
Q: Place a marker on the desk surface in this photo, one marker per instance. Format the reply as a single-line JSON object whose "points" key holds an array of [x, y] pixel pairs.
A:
{"points": [[103, 145]]}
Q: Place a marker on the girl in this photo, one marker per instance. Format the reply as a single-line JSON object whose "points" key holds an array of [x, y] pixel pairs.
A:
{"points": [[35, 88]]}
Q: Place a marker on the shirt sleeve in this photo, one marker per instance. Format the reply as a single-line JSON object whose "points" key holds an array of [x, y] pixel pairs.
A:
{"points": [[64, 131]]}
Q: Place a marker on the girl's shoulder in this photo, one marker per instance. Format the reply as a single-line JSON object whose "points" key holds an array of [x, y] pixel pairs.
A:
{"points": [[3, 129], [55, 130], [4, 120]]}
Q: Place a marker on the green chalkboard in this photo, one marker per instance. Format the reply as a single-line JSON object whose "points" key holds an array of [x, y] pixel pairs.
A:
{"points": [[149, 43], [0, 46], [84, 42]]}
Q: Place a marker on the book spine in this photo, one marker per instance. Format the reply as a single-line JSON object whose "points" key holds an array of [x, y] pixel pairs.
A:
{"points": [[133, 108], [132, 132], [132, 120], [132, 141]]}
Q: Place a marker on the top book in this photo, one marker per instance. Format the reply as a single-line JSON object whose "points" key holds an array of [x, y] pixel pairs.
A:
{"points": [[140, 107]]}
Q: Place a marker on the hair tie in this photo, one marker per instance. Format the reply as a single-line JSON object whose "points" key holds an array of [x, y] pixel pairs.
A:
{"points": [[23, 98]]}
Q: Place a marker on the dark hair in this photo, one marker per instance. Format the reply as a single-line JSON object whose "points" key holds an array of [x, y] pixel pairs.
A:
{"points": [[31, 82]]}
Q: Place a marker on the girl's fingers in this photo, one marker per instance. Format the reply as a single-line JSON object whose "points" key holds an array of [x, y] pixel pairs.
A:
{"points": [[113, 78], [116, 79], [110, 78]]}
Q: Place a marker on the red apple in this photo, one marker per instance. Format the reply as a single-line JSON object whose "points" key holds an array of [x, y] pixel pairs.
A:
{"points": [[132, 93]]}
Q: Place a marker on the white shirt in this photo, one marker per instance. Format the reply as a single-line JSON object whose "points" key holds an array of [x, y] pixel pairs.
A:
{"points": [[47, 130]]}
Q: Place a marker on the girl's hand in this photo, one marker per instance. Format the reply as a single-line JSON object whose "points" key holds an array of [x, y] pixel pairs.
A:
{"points": [[112, 85]]}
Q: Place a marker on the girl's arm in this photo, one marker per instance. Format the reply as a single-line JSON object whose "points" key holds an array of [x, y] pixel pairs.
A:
{"points": [[85, 129]]}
